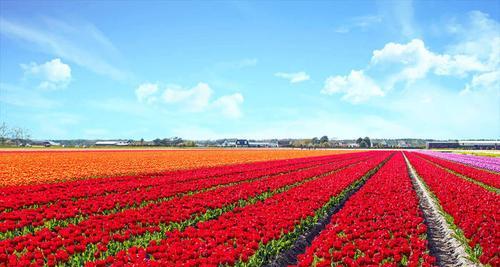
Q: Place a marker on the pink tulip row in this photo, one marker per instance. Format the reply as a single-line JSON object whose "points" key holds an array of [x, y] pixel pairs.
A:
{"points": [[489, 163]]}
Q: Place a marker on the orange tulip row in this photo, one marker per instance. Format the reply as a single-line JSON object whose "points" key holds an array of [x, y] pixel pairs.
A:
{"points": [[45, 166]]}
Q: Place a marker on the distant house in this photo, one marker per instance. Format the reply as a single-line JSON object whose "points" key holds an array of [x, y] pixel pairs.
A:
{"points": [[228, 143], [284, 143], [235, 143], [112, 143], [242, 143], [262, 144], [403, 144]]}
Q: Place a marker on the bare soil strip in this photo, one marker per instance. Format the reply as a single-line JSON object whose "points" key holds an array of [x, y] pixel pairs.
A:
{"points": [[448, 250]]}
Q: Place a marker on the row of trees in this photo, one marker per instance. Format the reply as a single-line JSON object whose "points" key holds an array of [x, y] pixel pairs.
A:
{"points": [[15, 134], [322, 142], [175, 141]]}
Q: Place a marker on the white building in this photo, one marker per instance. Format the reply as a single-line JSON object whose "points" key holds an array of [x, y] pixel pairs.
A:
{"points": [[112, 143]]}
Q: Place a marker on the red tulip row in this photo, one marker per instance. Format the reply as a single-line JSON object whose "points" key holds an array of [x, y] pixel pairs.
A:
{"points": [[475, 210], [486, 177], [156, 189], [235, 236], [381, 223], [17, 197], [58, 245]]}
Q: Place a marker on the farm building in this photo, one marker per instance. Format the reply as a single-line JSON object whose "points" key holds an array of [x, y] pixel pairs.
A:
{"points": [[480, 144], [464, 144], [262, 144], [235, 143], [44, 143], [112, 143], [442, 144], [246, 143]]}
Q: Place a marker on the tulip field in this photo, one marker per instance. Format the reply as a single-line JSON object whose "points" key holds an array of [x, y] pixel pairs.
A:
{"points": [[247, 208]]}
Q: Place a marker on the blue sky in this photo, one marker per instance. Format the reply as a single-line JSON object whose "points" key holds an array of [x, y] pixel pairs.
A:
{"points": [[205, 70]]}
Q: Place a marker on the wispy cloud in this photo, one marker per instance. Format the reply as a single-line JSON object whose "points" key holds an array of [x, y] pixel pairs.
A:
{"points": [[361, 22], [404, 14], [399, 17], [293, 77], [55, 125], [193, 100], [230, 105], [237, 64], [18, 96], [81, 43]]}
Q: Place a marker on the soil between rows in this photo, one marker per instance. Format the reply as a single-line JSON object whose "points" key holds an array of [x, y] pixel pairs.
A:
{"points": [[447, 250]]}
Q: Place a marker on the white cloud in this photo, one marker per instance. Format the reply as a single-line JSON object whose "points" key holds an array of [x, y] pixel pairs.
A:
{"points": [[356, 87], [145, 92], [78, 42], [407, 63], [484, 81], [480, 38], [230, 105], [414, 61], [52, 74], [293, 77], [195, 99]]}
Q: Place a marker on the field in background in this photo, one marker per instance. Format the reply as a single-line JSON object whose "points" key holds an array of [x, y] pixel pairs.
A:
{"points": [[22, 167], [482, 153]]}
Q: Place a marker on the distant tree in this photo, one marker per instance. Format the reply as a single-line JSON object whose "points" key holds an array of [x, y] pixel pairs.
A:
{"points": [[315, 140], [359, 141], [363, 144], [157, 142], [176, 141], [19, 135], [301, 143], [367, 141], [142, 141], [4, 132], [189, 144], [323, 139]]}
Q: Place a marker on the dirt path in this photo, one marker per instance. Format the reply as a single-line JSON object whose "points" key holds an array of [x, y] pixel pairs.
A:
{"points": [[443, 245]]}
